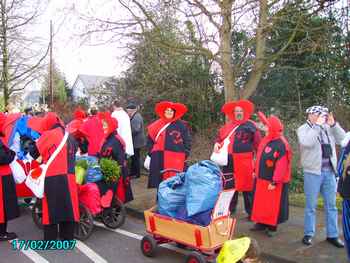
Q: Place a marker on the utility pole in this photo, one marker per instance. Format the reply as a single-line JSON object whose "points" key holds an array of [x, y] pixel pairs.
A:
{"points": [[50, 71]]}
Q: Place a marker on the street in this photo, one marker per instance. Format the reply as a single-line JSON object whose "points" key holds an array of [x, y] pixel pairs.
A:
{"points": [[104, 245]]}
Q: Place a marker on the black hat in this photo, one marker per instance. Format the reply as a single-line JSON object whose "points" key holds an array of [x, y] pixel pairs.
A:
{"points": [[131, 106]]}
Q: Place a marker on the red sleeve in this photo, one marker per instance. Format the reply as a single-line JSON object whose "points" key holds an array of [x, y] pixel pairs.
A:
{"points": [[281, 168]]}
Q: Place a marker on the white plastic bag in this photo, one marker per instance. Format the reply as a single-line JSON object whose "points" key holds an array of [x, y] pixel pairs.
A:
{"points": [[36, 184], [221, 157], [18, 172], [147, 162]]}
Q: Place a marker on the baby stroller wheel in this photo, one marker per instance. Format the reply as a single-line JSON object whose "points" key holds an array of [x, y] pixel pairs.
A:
{"points": [[37, 214], [114, 216], [148, 246], [83, 229], [195, 257]]}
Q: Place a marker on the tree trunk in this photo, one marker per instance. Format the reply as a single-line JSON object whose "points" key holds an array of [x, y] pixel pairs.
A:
{"points": [[226, 51], [4, 49], [259, 64]]}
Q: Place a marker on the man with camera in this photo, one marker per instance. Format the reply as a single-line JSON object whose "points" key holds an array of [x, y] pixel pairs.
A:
{"points": [[317, 138]]}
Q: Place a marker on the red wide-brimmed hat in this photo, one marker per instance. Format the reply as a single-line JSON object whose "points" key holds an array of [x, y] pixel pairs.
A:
{"points": [[179, 108], [246, 105], [42, 124]]}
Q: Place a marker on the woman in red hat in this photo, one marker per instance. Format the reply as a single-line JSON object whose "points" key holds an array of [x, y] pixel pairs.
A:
{"points": [[60, 201], [114, 148], [169, 141], [244, 139], [8, 198], [273, 171]]}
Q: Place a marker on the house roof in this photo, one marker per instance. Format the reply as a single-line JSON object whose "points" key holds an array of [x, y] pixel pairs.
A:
{"points": [[92, 81]]}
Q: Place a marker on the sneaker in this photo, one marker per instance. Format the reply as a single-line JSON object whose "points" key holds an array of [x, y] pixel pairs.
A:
{"points": [[8, 236]]}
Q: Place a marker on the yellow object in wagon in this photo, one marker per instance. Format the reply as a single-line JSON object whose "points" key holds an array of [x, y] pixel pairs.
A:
{"points": [[233, 250]]}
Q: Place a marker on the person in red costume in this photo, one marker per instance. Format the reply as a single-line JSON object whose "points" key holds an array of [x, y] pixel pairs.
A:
{"points": [[60, 202], [114, 148], [273, 170], [244, 141], [74, 127], [92, 129], [168, 142], [8, 198]]}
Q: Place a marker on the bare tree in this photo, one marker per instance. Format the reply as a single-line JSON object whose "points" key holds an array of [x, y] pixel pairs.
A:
{"points": [[214, 22], [21, 55]]}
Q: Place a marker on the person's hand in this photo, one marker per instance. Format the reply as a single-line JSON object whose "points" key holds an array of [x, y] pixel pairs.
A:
{"points": [[271, 187], [330, 120], [217, 147]]}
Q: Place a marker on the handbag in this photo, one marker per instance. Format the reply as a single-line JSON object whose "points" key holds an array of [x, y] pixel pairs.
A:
{"points": [[36, 178], [221, 157], [18, 172], [147, 162]]}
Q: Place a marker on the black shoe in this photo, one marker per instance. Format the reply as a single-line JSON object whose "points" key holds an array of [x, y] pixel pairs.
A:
{"points": [[337, 242], [270, 233], [307, 240], [8, 236], [258, 227]]}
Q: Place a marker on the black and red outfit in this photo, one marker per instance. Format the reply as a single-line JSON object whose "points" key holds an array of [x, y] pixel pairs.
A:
{"points": [[60, 202], [169, 147], [244, 141], [274, 159], [114, 148], [8, 197]]}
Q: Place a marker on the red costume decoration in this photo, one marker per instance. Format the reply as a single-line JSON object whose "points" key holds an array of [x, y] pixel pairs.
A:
{"points": [[92, 129]]}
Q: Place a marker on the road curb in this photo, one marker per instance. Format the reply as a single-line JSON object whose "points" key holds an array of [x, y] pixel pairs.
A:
{"points": [[139, 215]]}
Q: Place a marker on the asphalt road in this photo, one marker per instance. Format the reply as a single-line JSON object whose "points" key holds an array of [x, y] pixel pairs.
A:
{"points": [[105, 245]]}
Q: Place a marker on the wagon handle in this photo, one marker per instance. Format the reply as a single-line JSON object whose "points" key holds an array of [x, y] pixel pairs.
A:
{"points": [[217, 227]]}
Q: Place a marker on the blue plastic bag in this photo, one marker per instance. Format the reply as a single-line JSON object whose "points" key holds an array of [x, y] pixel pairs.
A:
{"points": [[202, 219], [203, 185], [93, 173], [171, 195]]}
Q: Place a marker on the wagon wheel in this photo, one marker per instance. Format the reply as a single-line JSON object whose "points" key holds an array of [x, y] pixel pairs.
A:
{"points": [[148, 246], [195, 257], [37, 214], [83, 229], [114, 216]]}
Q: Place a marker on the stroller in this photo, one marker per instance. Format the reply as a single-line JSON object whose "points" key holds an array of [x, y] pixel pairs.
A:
{"points": [[112, 215]]}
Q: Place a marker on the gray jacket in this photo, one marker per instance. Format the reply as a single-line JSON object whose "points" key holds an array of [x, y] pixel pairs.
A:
{"points": [[137, 130], [310, 146]]}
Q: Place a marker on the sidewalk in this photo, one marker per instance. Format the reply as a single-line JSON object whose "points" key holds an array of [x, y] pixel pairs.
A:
{"points": [[286, 246]]}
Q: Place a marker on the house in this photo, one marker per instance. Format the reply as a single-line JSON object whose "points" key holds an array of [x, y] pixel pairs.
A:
{"points": [[90, 88], [32, 97]]}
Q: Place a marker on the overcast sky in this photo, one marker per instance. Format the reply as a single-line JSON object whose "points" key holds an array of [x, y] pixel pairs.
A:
{"points": [[70, 55]]}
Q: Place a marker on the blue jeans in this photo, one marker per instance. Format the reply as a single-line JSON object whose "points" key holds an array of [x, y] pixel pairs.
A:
{"points": [[326, 185]]}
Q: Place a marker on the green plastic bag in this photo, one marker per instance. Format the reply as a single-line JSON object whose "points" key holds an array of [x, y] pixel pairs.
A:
{"points": [[80, 173]]}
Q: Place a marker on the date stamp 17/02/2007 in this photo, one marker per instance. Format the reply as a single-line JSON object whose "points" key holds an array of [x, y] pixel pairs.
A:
{"points": [[18, 244]]}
